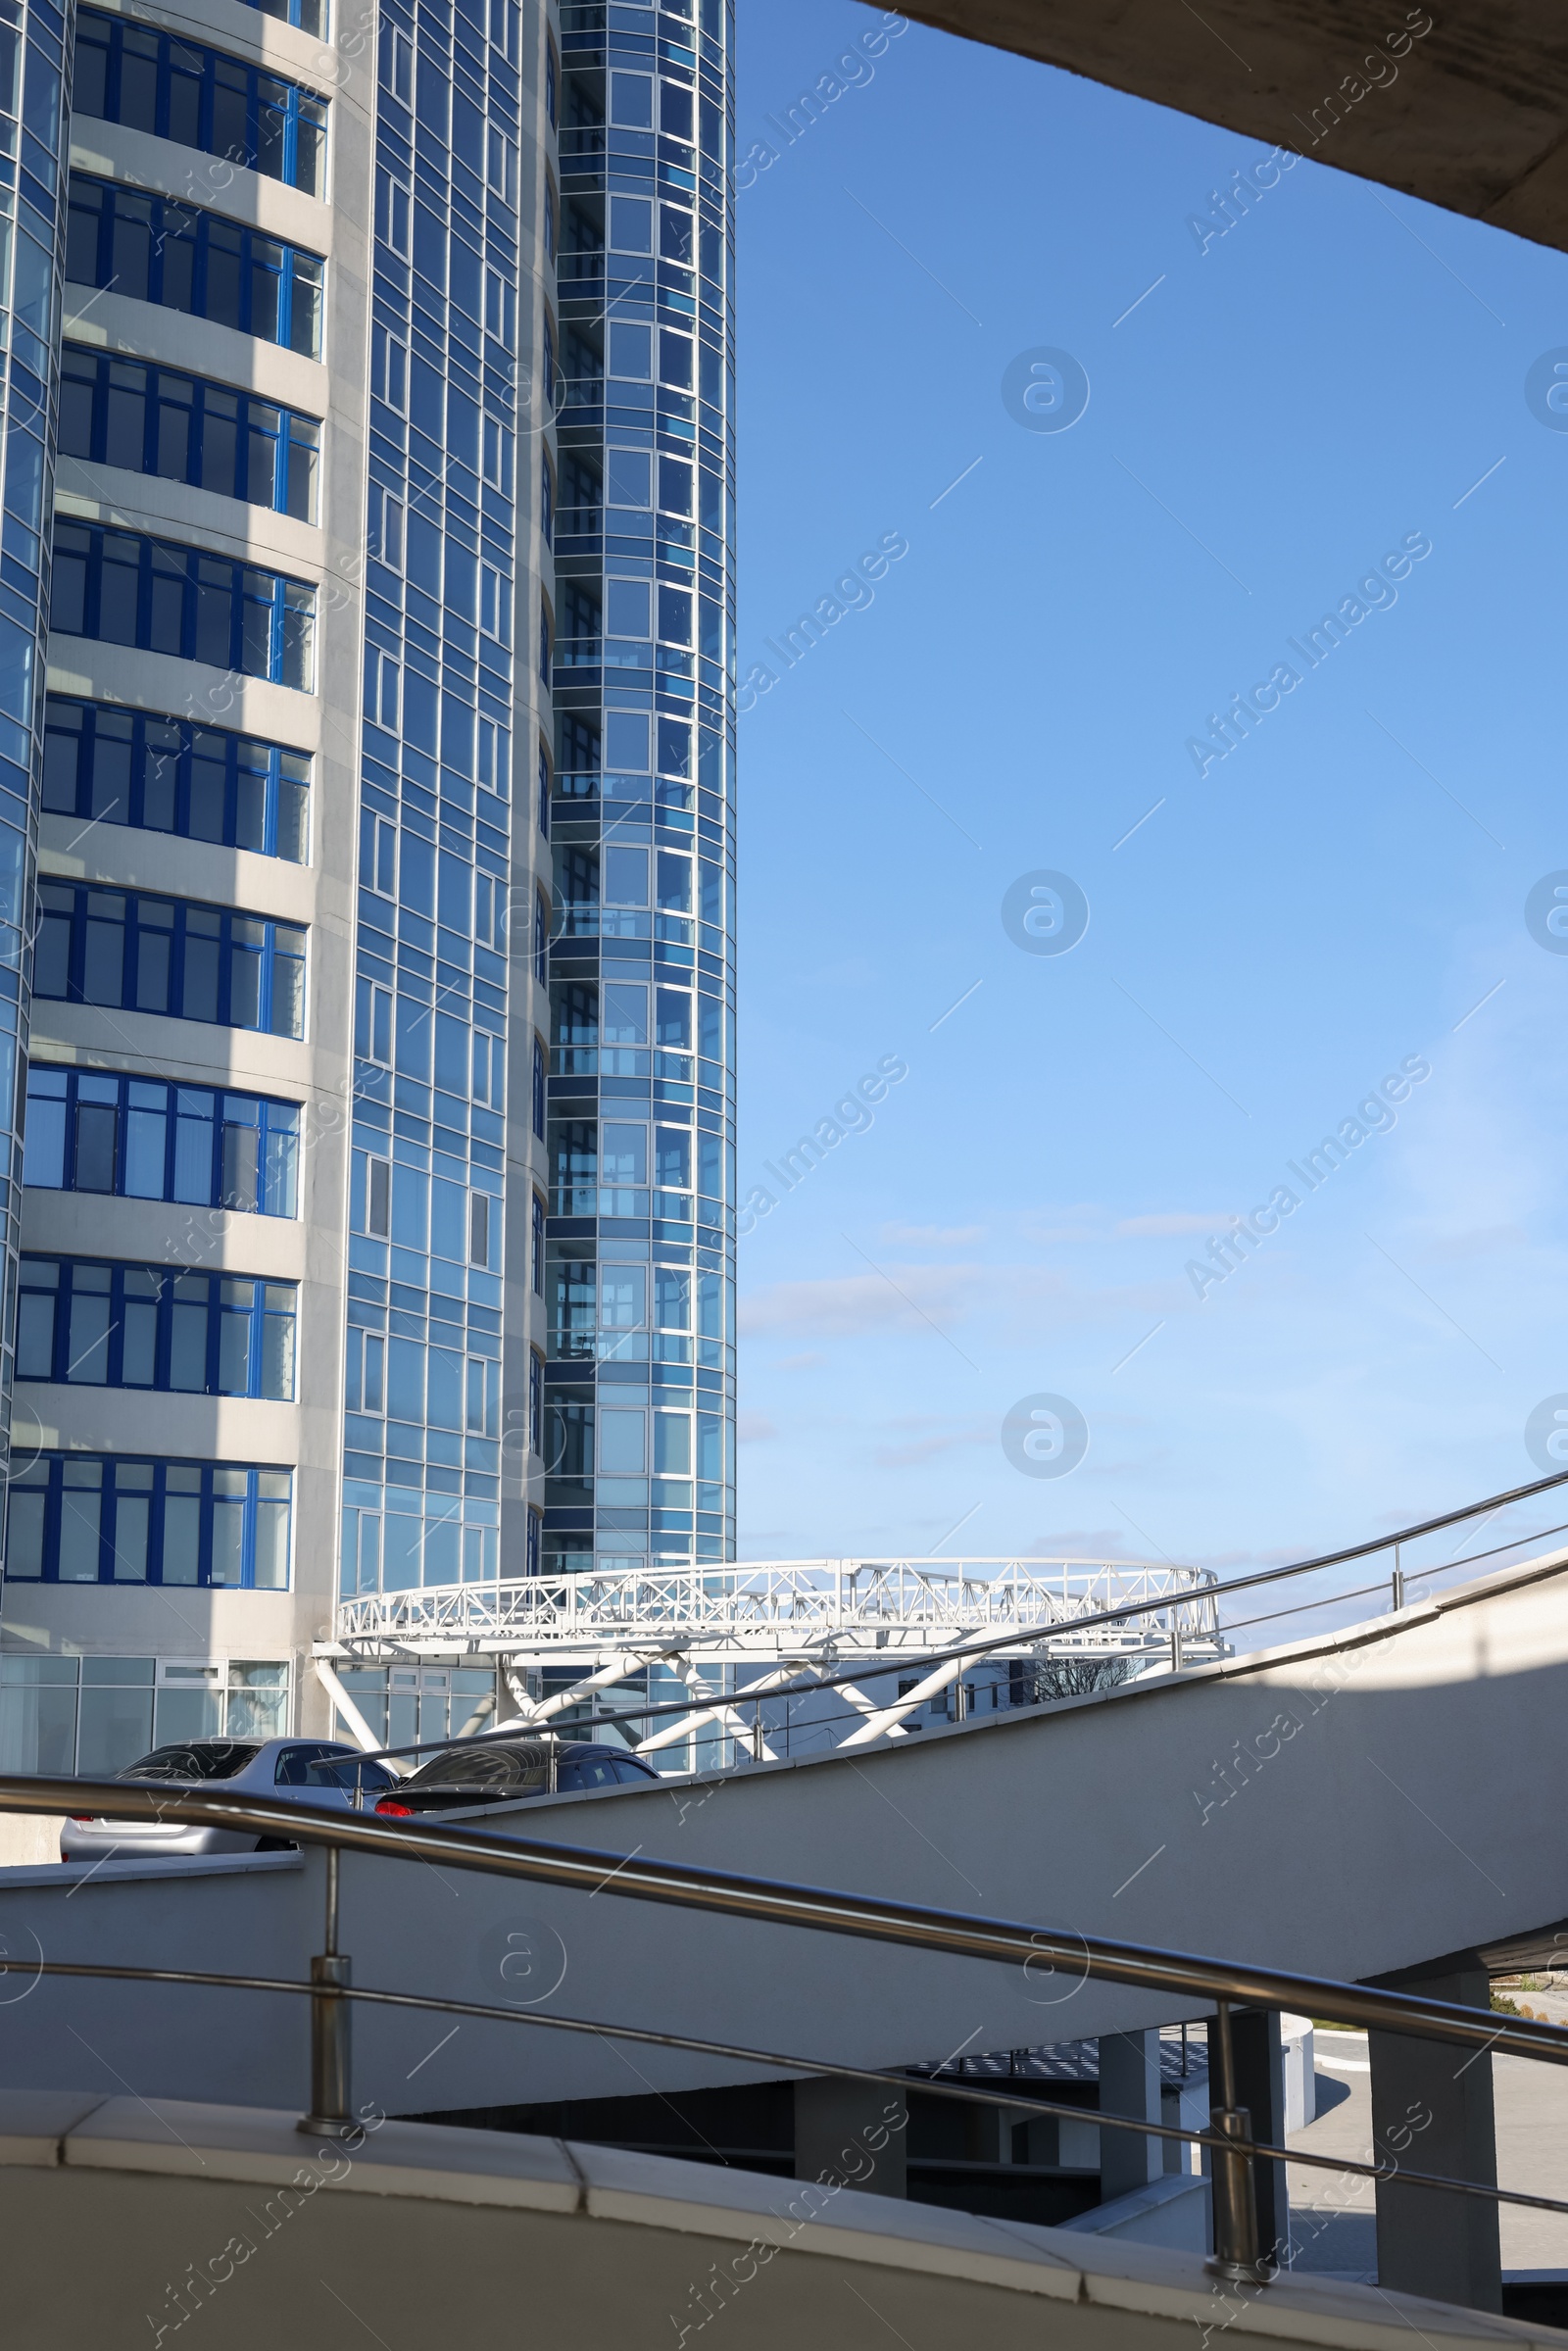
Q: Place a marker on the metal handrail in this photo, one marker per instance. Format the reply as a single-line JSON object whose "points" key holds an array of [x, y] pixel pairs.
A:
{"points": [[1019, 2106], [584, 1868]]}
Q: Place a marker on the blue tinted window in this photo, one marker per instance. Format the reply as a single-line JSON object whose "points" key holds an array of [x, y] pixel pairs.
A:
{"points": [[147, 420], [311, 15], [181, 90], [154, 249], [142, 1138], [149, 1326], [171, 776], [166, 954], [79, 1518], [122, 589]]}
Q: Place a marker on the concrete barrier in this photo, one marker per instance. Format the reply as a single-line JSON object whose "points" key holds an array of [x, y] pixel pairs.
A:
{"points": [[124, 2222]]}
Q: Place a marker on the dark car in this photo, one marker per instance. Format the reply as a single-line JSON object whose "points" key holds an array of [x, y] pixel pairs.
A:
{"points": [[499, 1771]]}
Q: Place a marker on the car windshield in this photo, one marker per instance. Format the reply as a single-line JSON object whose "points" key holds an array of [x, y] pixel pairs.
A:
{"points": [[202, 1759], [521, 1765]]}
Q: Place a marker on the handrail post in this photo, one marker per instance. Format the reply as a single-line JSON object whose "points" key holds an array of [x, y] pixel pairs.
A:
{"points": [[1398, 1593], [331, 2115], [1236, 2254]]}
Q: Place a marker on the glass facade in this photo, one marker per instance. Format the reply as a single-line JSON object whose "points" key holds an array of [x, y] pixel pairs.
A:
{"points": [[129, 590], [423, 1468], [141, 1139], [169, 776], [120, 411], [153, 248], [179, 90], [145, 1326], [639, 1235], [76, 1518], [438, 719], [34, 69], [94, 1715]]}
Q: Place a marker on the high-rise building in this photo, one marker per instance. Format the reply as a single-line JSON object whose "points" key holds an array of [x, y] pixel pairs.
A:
{"points": [[638, 1273], [373, 1232]]}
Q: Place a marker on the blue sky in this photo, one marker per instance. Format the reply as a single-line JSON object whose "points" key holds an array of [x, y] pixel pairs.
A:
{"points": [[1332, 900]]}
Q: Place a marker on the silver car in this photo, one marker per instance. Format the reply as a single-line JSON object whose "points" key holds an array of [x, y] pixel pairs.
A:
{"points": [[316, 1772]]}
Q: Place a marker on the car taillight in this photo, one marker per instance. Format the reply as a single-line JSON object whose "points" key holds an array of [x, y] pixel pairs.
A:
{"points": [[396, 1811], [83, 1820]]}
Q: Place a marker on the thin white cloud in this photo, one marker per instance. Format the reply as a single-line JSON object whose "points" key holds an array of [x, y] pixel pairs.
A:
{"points": [[853, 1304], [754, 1427], [933, 1236], [903, 1297], [1176, 1220], [931, 1447], [1483, 1240]]}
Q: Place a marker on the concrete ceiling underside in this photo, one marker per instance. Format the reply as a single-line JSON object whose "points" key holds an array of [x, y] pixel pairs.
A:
{"points": [[1470, 112]]}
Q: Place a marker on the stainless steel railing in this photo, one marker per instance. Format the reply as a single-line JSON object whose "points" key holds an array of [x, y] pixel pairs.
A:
{"points": [[635, 1877]]}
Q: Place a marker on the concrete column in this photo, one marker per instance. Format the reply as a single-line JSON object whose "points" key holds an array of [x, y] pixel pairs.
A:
{"points": [[852, 2134], [1259, 2054], [1432, 2112], [1129, 2083]]}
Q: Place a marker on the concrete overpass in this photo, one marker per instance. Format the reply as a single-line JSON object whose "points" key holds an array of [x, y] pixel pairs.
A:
{"points": [[1464, 105], [1317, 1807], [1345, 1805]]}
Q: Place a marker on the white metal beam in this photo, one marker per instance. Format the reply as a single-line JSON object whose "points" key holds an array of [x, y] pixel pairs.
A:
{"points": [[615, 1671], [745, 1613], [888, 1719], [358, 1728], [868, 1708], [672, 1734]]}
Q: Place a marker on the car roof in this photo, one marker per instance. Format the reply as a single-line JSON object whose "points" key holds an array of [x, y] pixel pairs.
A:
{"points": [[254, 1748], [535, 1747]]}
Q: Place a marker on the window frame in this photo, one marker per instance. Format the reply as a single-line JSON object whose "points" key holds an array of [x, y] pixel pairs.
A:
{"points": [[94, 563], [180, 234], [272, 1304], [285, 797], [284, 122], [278, 1126], [156, 1494], [92, 914]]}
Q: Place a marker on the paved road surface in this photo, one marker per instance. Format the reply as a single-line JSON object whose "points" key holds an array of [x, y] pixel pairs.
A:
{"points": [[1332, 2223]]}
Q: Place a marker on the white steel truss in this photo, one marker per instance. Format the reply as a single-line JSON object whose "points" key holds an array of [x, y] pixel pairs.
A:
{"points": [[784, 1620]]}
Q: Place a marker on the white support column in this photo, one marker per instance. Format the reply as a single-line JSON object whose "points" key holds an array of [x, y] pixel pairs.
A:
{"points": [[354, 1721], [869, 1706], [527, 1707], [721, 1708], [615, 1671], [884, 1719]]}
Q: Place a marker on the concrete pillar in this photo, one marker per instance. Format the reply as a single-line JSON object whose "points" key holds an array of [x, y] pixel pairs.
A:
{"points": [[1432, 2112], [852, 2132], [1260, 2088], [1129, 2083]]}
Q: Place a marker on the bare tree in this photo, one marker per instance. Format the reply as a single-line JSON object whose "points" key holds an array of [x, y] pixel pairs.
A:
{"points": [[1076, 1676]]}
